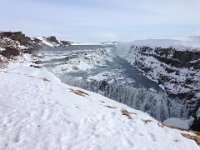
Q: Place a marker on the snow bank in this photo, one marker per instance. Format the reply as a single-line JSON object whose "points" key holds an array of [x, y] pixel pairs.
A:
{"points": [[40, 114], [34, 72]]}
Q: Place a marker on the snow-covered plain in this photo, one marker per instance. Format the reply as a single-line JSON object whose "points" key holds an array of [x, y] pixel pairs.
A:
{"points": [[38, 112]]}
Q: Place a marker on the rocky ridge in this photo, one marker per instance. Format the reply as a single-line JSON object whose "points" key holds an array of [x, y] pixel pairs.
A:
{"points": [[15, 43]]}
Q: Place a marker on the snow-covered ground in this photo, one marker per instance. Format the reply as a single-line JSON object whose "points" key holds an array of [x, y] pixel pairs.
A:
{"points": [[39, 112]]}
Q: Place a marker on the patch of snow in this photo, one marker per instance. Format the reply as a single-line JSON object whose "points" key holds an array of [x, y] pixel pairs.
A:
{"points": [[86, 43], [2, 49], [44, 41], [152, 90], [23, 47]]}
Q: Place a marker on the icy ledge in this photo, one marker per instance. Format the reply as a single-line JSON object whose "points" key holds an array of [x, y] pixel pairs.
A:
{"points": [[37, 112]]}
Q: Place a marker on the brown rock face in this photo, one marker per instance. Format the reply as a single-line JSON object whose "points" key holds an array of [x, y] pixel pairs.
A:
{"points": [[17, 36], [174, 78], [9, 52]]}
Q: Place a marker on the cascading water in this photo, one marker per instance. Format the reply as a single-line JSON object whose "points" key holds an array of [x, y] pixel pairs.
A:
{"points": [[137, 94], [157, 104]]}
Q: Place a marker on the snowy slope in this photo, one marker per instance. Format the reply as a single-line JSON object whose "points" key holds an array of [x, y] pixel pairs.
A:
{"points": [[39, 113], [46, 42], [51, 41]]}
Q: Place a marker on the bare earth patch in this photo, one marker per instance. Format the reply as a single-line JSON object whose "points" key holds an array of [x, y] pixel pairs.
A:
{"points": [[79, 92], [45, 79], [127, 113], [196, 138], [146, 121]]}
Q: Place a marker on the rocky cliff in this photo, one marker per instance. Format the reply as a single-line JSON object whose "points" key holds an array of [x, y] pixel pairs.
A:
{"points": [[175, 69], [15, 43]]}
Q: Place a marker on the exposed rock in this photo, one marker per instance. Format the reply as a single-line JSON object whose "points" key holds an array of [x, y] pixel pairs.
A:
{"points": [[17, 36], [65, 43], [103, 85], [196, 114], [177, 71], [9, 52], [15, 43], [196, 125], [53, 39]]}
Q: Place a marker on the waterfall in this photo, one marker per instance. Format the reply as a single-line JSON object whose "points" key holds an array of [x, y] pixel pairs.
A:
{"points": [[136, 95], [157, 104]]}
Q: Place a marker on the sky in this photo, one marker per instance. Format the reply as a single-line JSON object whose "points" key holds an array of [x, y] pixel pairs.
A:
{"points": [[102, 20]]}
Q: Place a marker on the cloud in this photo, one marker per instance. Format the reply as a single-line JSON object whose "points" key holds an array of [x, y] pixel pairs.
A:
{"points": [[88, 20]]}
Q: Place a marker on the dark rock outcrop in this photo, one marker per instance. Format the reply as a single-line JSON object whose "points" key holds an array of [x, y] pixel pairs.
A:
{"points": [[65, 43], [18, 36], [180, 72], [53, 39], [9, 52], [15, 43]]}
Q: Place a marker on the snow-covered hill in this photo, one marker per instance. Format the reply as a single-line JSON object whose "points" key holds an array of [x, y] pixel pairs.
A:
{"points": [[51, 41], [39, 112]]}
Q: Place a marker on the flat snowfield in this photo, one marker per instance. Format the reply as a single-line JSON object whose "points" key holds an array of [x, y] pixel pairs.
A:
{"points": [[39, 114]]}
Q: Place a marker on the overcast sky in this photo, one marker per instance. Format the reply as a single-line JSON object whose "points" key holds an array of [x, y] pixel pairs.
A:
{"points": [[102, 20]]}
